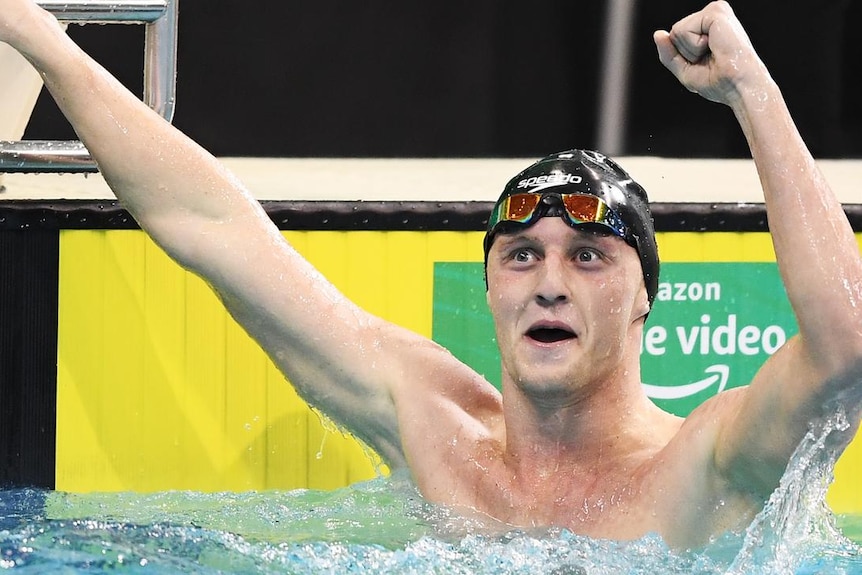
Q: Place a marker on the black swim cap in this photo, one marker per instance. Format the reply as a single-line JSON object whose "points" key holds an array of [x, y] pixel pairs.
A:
{"points": [[593, 173]]}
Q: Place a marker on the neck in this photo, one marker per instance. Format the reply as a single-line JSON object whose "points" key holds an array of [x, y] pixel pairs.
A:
{"points": [[596, 424]]}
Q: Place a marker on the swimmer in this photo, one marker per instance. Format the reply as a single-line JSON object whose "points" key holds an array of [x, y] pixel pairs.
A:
{"points": [[573, 441]]}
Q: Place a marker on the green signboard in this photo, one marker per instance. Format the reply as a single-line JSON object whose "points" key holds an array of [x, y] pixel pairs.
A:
{"points": [[712, 326]]}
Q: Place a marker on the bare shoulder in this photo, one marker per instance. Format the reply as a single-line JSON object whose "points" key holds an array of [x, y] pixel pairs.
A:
{"points": [[695, 440], [446, 410], [696, 493], [711, 412], [438, 382]]}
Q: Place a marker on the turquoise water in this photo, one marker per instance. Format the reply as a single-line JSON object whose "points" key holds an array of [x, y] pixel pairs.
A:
{"points": [[375, 527], [384, 526]]}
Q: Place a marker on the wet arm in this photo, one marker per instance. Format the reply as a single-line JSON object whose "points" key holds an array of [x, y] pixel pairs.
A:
{"points": [[205, 219], [161, 176], [815, 248], [818, 259]]}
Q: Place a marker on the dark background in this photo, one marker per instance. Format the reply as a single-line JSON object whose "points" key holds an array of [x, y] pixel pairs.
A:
{"points": [[474, 79]]}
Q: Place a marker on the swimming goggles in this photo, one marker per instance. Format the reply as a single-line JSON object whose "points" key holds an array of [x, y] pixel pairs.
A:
{"points": [[524, 208]]}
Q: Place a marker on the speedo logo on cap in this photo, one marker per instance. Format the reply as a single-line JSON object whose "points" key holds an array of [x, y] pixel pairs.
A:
{"points": [[549, 181]]}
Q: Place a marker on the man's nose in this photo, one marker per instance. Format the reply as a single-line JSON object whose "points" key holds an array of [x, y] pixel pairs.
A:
{"points": [[552, 286]]}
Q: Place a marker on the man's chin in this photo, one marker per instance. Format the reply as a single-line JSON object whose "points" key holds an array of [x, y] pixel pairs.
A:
{"points": [[545, 381]]}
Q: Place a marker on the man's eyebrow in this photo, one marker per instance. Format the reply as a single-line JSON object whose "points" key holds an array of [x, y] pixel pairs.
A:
{"points": [[521, 236]]}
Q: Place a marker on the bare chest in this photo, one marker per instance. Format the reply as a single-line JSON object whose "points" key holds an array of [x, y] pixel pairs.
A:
{"points": [[622, 504], [617, 502]]}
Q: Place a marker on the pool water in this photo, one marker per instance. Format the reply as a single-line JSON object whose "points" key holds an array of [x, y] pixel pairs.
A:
{"points": [[384, 526], [381, 526]]}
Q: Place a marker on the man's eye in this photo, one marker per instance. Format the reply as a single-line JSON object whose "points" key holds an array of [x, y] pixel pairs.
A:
{"points": [[587, 255], [522, 255]]}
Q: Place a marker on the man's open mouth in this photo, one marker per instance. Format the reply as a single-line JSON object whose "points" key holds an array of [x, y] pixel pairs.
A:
{"points": [[550, 334]]}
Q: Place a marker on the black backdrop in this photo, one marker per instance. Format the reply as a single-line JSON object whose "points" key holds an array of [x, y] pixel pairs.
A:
{"points": [[473, 79]]}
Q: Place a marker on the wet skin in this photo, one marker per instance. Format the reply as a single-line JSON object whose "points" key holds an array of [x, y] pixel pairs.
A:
{"points": [[564, 303]]}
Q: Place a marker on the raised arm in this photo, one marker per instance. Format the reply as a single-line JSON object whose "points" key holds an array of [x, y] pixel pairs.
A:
{"points": [[817, 254], [158, 174], [354, 367]]}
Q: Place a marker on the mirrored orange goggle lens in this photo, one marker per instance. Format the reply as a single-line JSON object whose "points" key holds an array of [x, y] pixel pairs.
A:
{"points": [[584, 208], [520, 207]]}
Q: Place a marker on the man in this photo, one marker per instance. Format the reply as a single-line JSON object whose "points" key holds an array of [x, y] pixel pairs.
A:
{"points": [[571, 271]]}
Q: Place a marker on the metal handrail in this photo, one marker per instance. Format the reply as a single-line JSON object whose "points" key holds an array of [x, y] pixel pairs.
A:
{"points": [[160, 72]]}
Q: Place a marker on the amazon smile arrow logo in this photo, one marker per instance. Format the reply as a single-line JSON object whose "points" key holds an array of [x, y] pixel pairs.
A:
{"points": [[720, 374]]}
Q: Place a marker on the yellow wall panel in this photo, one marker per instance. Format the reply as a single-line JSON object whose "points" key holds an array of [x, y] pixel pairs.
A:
{"points": [[175, 395], [158, 388], [715, 247]]}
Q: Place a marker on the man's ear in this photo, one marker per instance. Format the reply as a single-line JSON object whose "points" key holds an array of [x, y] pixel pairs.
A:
{"points": [[641, 307]]}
